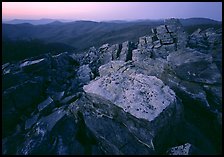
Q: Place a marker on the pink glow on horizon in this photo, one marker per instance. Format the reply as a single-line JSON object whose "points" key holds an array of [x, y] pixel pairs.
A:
{"points": [[110, 10], [37, 10]]}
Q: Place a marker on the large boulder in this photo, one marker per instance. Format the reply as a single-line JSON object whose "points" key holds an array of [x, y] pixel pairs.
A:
{"points": [[115, 131], [129, 86], [142, 96]]}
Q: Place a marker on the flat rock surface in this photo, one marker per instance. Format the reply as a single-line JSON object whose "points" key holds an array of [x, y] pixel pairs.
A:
{"points": [[142, 96]]}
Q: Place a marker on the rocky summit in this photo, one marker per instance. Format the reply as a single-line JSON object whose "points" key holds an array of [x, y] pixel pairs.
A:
{"points": [[161, 95]]}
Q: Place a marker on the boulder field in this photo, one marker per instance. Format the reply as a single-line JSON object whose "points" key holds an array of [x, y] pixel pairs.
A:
{"points": [[161, 95]]}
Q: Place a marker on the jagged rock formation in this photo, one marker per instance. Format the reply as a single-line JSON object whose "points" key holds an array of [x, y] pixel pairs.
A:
{"points": [[158, 96]]}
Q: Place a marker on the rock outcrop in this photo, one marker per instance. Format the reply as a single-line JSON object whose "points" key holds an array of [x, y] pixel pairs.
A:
{"points": [[140, 95], [160, 95]]}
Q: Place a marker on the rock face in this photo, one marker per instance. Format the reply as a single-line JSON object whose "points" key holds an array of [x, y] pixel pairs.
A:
{"points": [[142, 96], [160, 95], [115, 131], [165, 39]]}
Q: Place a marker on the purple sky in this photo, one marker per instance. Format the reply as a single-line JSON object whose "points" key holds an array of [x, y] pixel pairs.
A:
{"points": [[110, 10]]}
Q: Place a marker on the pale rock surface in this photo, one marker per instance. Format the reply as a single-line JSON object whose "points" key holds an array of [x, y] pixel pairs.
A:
{"points": [[180, 150], [142, 96]]}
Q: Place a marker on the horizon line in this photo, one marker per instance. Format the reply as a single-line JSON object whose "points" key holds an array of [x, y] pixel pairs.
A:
{"points": [[94, 20]]}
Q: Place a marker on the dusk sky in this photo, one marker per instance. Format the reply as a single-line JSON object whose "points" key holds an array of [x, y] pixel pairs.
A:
{"points": [[110, 10]]}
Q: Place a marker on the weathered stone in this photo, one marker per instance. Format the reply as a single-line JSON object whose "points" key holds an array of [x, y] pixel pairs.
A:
{"points": [[84, 74], [180, 150], [116, 131], [135, 96]]}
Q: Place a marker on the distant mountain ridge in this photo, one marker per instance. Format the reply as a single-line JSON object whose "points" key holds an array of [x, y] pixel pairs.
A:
{"points": [[198, 21], [185, 22], [34, 22], [81, 35]]}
